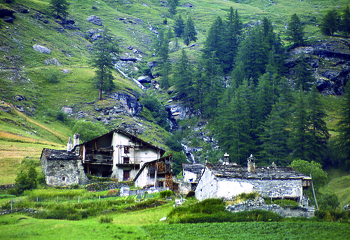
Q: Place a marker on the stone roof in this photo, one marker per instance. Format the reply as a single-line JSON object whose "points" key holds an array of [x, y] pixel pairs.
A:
{"points": [[195, 167], [234, 171], [52, 154]]}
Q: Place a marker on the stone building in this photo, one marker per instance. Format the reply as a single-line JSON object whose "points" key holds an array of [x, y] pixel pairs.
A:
{"points": [[117, 154], [191, 173], [156, 173], [229, 180]]}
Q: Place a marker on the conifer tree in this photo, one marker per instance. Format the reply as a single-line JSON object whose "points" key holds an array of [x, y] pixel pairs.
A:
{"points": [[179, 26], [189, 32], [105, 52], [60, 7], [330, 23], [345, 21], [172, 6], [304, 77], [295, 30], [318, 129], [344, 125], [300, 134]]}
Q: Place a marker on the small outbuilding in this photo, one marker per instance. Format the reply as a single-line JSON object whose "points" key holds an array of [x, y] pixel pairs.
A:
{"points": [[229, 180]]}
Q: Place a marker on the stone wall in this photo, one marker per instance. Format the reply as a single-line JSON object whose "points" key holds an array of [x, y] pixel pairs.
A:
{"points": [[216, 187], [259, 204]]}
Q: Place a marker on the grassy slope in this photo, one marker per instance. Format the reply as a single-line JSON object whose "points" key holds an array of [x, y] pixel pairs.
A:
{"points": [[21, 136]]}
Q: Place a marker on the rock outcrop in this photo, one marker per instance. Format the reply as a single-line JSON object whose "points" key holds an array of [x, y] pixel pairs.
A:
{"points": [[41, 49], [330, 62], [95, 20]]}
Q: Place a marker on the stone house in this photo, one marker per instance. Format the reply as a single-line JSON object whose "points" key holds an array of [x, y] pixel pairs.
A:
{"points": [[229, 180], [117, 154], [156, 173], [191, 173]]}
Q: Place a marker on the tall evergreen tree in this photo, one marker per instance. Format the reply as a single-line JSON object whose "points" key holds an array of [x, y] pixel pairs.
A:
{"points": [[179, 26], [304, 77], [344, 125], [330, 22], [300, 135], [105, 52], [172, 6], [295, 30], [318, 129], [189, 32], [274, 137], [60, 7], [345, 21]]}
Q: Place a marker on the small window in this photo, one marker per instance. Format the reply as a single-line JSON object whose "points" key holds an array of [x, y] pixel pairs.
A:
{"points": [[126, 149], [63, 178], [126, 160], [62, 166]]}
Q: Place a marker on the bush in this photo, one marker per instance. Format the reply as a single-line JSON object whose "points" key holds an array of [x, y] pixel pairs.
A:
{"points": [[105, 219], [286, 203], [333, 215], [166, 193], [89, 130]]}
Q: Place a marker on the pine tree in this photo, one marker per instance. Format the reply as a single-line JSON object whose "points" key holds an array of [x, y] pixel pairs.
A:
{"points": [[304, 77], [189, 32], [172, 6], [318, 129], [60, 7], [105, 52], [330, 23], [274, 137], [300, 135], [295, 30], [345, 21], [344, 125], [179, 26]]}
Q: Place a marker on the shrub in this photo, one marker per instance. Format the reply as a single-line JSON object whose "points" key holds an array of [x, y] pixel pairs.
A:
{"points": [[166, 193], [286, 203], [105, 219]]}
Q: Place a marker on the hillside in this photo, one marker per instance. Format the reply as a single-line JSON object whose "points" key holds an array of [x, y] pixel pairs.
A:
{"points": [[37, 87]]}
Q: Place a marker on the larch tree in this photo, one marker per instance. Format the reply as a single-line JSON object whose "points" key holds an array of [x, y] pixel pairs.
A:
{"points": [[189, 32], [344, 125], [295, 30], [330, 23], [59, 7], [105, 52]]}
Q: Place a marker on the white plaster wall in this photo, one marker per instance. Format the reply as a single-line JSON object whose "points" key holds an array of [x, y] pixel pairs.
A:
{"points": [[210, 186], [207, 186], [187, 175]]}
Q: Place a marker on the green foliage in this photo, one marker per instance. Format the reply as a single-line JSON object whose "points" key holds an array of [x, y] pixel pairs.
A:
{"points": [[327, 201], [333, 215], [190, 32], [157, 109], [59, 7], [179, 26], [344, 127], [286, 203], [26, 179], [88, 130], [319, 177], [172, 4], [105, 51], [53, 76], [166, 193], [246, 196], [295, 31], [345, 21], [330, 22], [105, 219]]}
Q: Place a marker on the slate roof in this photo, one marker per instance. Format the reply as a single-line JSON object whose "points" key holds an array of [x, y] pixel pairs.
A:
{"points": [[195, 167], [52, 154], [234, 171]]}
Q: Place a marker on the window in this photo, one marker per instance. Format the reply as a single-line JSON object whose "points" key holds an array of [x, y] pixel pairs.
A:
{"points": [[126, 160], [126, 149], [63, 178]]}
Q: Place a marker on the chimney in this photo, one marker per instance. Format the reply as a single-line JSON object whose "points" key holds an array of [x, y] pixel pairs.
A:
{"points": [[76, 139], [226, 158], [69, 145], [251, 163]]}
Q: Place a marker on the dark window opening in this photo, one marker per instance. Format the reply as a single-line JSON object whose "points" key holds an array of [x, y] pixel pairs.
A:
{"points": [[126, 149], [63, 178], [61, 165], [126, 175], [126, 160]]}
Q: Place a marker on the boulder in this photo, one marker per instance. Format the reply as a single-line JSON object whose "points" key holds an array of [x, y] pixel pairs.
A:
{"points": [[24, 10], [152, 64], [20, 98], [6, 12], [67, 110], [96, 36], [145, 79], [95, 20], [91, 32], [52, 61], [41, 49], [187, 5]]}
